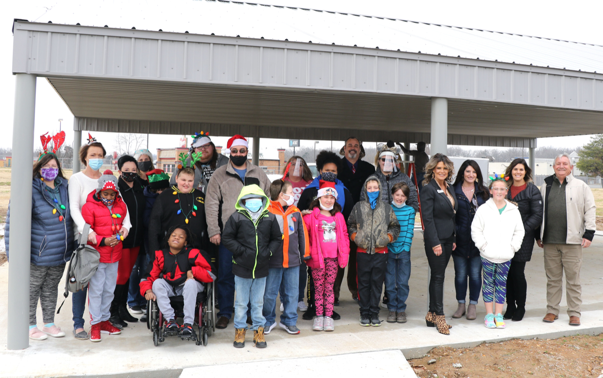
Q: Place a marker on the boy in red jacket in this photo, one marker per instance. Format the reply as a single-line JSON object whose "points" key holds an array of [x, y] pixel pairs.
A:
{"points": [[104, 211], [182, 269]]}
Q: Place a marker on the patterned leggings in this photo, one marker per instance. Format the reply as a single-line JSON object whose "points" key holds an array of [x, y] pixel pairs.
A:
{"points": [[495, 281], [324, 278]]}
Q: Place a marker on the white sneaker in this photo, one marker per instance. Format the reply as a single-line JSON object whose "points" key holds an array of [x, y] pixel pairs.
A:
{"points": [[318, 324], [302, 306], [329, 324], [282, 307], [267, 330]]}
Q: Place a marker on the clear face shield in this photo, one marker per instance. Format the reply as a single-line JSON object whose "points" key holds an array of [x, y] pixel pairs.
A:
{"points": [[388, 164], [297, 170]]}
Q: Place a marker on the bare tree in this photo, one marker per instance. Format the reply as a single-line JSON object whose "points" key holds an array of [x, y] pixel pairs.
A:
{"points": [[128, 143]]}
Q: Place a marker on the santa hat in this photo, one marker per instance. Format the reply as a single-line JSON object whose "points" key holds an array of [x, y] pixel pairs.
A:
{"points": [[327, 188], [237, 140], [158, 179], [107, 182]]}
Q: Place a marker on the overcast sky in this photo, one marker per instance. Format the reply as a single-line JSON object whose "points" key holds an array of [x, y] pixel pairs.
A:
{"points": [[574, 21]]}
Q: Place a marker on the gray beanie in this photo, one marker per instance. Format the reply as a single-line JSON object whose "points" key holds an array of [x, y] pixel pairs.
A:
{"points": [[107, 181]]}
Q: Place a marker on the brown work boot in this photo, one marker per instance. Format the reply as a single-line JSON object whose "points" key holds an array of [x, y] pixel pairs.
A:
{"points": [[574, 321], [222, 322], [391, 317], [549, 318], [258, 338], [401, 317], [239, 341]]}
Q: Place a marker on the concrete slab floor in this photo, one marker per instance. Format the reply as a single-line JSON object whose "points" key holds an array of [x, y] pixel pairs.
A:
{"points": [[132, 352]]}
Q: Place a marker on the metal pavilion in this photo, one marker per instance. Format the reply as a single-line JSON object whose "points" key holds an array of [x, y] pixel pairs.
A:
{"points": [[296, 73]]}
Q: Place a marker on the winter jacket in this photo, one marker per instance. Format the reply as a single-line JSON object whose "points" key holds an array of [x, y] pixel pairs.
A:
{"points": [[51, 239], [343, 197], [354, 181], [136, 203], [387, 182], [168, 213], [173, 268], [295, 245], [251, 242], [529, 202], [200, 181], [370, 229], [406, 219], [581, 209], [101, 221], [465, 247], [438, 214], [497, 236], [149, 198], [222, 193], [343, 242]]}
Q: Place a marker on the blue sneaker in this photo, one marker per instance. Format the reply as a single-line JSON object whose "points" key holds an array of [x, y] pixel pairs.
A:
{"points": [[500, 321], [489, 321]]}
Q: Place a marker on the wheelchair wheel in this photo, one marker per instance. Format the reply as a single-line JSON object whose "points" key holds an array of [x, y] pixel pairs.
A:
{"points": [[156, 337], [213, 310], [205, 336]]}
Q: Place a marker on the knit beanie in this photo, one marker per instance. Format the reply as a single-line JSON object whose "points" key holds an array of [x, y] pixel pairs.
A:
{"points": [[107, 181], [158, 179], [143, 151]]}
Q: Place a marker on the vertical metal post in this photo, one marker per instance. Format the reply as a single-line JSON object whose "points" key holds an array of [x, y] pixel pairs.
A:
{"points": [[77, 144], [532, 160], [20, 212], [439, 125], [255, 157], [406, 156]]}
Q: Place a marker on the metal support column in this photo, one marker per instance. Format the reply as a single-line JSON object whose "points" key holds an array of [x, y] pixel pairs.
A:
{"points": [[255, 157], [77, 144], [439, 126], [20, 212], [406, 156], [532, 159]]}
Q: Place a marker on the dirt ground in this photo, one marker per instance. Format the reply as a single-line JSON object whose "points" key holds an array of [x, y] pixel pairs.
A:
{"points": [[572, 356]]}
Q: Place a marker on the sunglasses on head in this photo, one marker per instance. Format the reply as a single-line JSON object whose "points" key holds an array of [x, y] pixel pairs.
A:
{"points": [[235, 151]]}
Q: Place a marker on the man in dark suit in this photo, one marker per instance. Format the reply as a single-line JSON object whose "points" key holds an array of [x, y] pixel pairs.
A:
{"points": [[353, 173]]}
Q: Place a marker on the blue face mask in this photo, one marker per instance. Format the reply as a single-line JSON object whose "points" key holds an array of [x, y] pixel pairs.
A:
{"points": [[253, 204], [95, 164], [373, 198], [400, 205]]}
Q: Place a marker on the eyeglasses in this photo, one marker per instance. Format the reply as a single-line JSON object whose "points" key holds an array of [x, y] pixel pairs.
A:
{"points": [[205, 147], [241, 151]]}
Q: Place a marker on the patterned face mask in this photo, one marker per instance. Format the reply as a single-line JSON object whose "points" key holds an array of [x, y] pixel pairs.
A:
{"points": [[49, 174], [107, 202]]}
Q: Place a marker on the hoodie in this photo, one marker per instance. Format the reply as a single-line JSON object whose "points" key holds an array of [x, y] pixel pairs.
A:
{"points": [[370, 229], [251, 242]]}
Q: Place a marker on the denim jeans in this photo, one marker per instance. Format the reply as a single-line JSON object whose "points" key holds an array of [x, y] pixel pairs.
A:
{"points": [[249, 291], [134, 297], [226, 283], [303, 280], [78, 306], [396, 280], [463, 268], [289, 277]]}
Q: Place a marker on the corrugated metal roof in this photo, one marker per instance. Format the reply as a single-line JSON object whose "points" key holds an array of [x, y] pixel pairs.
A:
{"points": [[256, 20]]}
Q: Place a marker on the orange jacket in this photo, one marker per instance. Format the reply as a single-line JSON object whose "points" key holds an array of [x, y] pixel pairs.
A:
{"points": [[296, 244]]}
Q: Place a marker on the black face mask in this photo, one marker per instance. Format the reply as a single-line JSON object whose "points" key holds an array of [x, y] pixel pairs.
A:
{"points": [[128, 176], [145, 166], [238, 160]]}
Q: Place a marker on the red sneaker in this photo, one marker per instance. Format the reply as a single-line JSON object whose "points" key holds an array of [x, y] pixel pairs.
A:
{"points": [[106, 327], [95, 333]]}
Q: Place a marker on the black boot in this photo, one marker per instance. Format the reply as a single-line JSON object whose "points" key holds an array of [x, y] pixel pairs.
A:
{"points": [[124, 314], [115, 319]]}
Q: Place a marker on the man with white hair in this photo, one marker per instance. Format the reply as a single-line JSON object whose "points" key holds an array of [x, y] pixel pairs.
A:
{"points": [[568, 225]]}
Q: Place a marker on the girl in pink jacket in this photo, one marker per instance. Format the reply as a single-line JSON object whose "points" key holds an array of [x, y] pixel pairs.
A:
{"points": [[329, 247]]}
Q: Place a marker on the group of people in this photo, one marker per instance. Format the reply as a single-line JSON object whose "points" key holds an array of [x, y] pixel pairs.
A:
{"points": [[220, 219]]}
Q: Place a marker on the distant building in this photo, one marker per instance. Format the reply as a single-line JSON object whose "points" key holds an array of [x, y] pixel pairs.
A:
{"points": [[272, 161], [7, 162]]}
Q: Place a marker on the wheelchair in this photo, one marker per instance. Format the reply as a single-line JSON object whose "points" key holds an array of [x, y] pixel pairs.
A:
{"points": [[205, 317]]}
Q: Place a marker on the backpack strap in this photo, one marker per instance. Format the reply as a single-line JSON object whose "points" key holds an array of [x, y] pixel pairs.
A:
{"points": [[81, 243]]}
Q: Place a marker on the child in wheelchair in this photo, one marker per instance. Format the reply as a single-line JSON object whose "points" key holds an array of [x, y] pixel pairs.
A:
{"points": [[177, 270]]}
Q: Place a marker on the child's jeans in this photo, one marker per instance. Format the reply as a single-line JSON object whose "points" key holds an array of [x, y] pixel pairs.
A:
{"points": [[289, 277], [100, 292], [189, 289], [324, 278], [249, 290], [396, 280], [495, 281]]}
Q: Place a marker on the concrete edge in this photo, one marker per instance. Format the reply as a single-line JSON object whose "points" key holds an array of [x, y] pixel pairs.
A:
{"points": [[411, 353]]}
